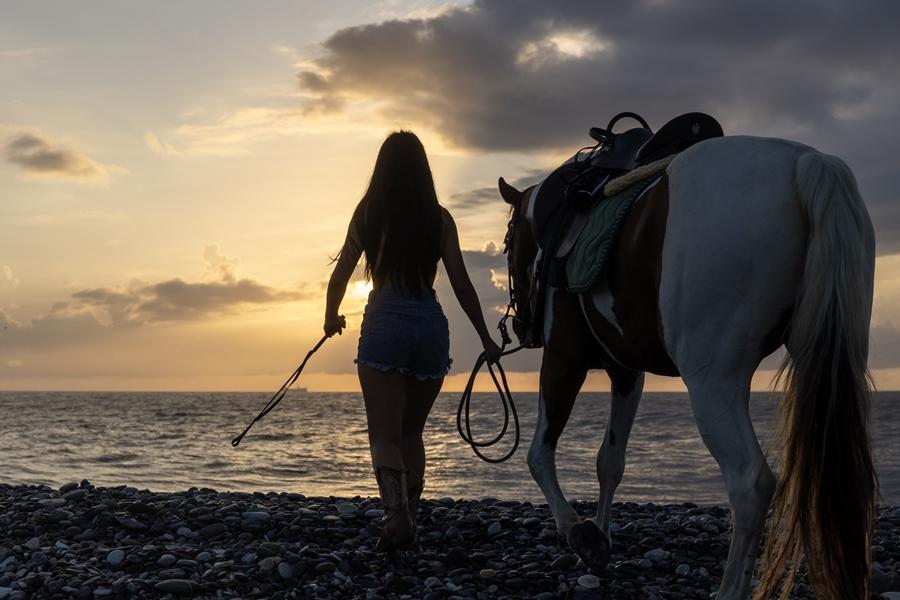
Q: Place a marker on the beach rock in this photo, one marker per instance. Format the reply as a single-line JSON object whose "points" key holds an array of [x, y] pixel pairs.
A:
{"points": [[564, 562], [68, 487], [346, 508], [256, 515], [203, 557], [176, 587], [589, 581], [166, 560], [213, 530], [115, 557], [657, 555], [374, 513], [268, 549], [284, 570], [682, 570], [33, 544], [884, 596], [5, 592], [494, 528]]}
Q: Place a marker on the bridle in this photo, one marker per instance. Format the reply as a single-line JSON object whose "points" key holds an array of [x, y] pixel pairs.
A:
{"points": [[521, 302]]}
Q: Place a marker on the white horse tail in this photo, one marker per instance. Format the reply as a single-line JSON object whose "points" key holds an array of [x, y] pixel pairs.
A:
{"points": [[824, 505]]}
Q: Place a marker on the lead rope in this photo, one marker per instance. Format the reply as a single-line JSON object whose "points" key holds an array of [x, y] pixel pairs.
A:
{"points": [[506, 400], [279, 395]]}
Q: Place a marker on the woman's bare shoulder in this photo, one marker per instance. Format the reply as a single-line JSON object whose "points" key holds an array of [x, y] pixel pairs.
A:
{"points": [[446, 218]]}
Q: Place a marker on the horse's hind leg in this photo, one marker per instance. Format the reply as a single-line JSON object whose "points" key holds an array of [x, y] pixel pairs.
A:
{"points": [[721, 409], [627, 387], [559, 386]]}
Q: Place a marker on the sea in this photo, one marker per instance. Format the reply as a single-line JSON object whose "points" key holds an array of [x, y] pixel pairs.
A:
{"points": [[316, 444]]}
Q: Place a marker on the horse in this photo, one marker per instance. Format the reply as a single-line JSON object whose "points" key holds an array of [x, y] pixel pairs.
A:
{"points": [[744, 245]]}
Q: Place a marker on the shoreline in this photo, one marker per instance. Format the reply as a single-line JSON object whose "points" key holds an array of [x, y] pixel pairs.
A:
{"points": [[87, 542]]}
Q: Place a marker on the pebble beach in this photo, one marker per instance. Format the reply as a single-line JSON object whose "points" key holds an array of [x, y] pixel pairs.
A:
{"points": [[85, 542]]}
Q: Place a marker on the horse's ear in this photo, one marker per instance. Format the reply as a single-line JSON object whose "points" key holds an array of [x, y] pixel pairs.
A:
{"points": [[510, 194]]}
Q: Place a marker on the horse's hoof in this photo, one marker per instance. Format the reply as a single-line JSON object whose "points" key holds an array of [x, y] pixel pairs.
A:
{"points": [[589, 543]]}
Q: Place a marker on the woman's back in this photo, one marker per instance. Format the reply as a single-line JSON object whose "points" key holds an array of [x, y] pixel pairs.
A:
{"points": [[398, 223]]}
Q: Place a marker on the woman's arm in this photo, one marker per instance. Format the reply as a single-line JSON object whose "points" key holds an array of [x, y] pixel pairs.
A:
{"points": [[337, 284], [462, 284]]}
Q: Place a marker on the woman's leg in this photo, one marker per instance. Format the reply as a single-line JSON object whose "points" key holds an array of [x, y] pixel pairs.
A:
{"points": [[420, 396], [385, 397]]}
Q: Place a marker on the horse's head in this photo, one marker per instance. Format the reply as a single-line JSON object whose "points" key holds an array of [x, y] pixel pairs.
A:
{"points": [[521, 249]]}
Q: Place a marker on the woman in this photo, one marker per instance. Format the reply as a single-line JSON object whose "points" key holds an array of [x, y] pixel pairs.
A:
{"points": [[404, 342]]}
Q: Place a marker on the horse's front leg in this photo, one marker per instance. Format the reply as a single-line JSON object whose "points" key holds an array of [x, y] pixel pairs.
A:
{"points": [[560, 383], [627, 387]]}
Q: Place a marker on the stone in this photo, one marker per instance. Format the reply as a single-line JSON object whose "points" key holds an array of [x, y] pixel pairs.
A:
{"points": [[346, 508], [115, 557], [564, 562], [166, 560], [284, 570], [589, 581], [494, 528], [203, 557], [374, 513], [33, 544], [657, 555], [682, 570], [256, 515], [213, 530], [176, 587]]}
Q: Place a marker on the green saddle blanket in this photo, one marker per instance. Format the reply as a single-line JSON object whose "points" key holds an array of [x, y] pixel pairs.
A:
{"points": [[590, 253]]}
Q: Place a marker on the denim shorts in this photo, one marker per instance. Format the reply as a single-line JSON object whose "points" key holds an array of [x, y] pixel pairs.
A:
{"points": [[405, 334]]}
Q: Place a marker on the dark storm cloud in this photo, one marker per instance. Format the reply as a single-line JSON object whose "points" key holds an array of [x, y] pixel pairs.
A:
{"points": [[39, 155], [531, 75]]}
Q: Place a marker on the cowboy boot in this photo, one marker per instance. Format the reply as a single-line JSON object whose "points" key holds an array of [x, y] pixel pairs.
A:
{"points": [[413, 495], [397, 529]]}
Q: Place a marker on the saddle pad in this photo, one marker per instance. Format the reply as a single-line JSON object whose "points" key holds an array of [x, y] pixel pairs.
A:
{"points": [[589, 255]]}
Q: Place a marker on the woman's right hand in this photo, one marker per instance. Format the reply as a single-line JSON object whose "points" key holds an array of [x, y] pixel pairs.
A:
{"points": [[492, 351], [334, 324]]}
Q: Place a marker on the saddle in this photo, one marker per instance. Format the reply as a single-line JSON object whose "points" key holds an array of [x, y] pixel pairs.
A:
{"points": [[566, 198], [578, 184]]}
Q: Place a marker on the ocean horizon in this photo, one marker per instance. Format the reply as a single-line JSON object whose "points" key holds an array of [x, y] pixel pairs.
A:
{"points": [[315, 443]]}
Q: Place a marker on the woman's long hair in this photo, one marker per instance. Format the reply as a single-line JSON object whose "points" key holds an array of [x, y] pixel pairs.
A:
{"points": [[399, 216]]}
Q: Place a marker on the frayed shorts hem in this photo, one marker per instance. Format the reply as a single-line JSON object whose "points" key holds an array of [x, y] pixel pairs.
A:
{"points": [[404, 370]]}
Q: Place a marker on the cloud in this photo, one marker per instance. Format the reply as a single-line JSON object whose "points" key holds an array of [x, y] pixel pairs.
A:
{"points": [[6, 320], [490, 195], [179, 300], [23, 54], [159, 147], [532, 76], [10, 277], [41, 156], [500, 75]]}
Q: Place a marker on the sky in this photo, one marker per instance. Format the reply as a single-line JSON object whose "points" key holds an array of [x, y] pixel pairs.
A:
{"points": [[175, 176]]}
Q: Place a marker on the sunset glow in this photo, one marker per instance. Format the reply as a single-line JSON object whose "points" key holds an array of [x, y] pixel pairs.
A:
{"points": [[177, 177]]}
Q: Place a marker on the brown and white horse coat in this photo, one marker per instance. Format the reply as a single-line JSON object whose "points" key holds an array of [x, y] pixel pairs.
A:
{"points": [[744, 244]]}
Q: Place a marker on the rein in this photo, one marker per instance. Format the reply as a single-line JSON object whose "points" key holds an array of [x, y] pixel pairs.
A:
{"points": [[464, 426], [279, 395], [506, 400]]}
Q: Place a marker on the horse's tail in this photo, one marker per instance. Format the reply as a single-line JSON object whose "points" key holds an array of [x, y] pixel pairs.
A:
{"points": [[825, 501]]}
